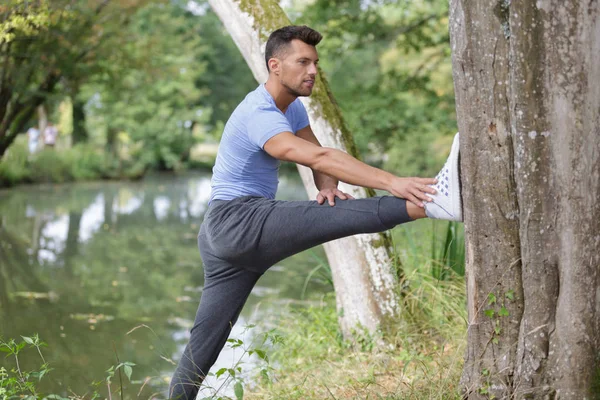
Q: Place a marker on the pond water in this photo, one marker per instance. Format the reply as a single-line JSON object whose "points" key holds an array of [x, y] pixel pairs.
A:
{"points": [[111, 269]]}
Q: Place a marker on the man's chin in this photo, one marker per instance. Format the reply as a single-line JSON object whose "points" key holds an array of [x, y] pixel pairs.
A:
{"points": [[302, 92], [305, 93]]}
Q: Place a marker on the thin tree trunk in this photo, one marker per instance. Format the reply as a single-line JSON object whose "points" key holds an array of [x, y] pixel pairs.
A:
{"points": [[80, 134], [364, 276], [528, 105], [42, 124]]}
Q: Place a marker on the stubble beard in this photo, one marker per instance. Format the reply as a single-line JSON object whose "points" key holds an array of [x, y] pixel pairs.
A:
{"points": [[297, 91]]}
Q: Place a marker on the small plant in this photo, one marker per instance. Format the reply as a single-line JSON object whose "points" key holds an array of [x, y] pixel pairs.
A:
{"points": [[16, 382], [235, 373]]}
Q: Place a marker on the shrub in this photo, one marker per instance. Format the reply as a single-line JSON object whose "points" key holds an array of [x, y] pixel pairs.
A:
{"points": [[14, 166]]}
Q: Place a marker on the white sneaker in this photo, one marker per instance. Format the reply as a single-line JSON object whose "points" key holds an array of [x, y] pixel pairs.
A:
{"points": [[446, 202]]}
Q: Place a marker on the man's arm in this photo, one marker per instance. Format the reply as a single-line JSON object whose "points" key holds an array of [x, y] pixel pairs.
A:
{"points": [[335, 163], [322, 181]]}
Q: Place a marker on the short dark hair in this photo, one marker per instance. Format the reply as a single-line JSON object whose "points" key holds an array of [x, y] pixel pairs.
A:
{"points": [[281, 38]]}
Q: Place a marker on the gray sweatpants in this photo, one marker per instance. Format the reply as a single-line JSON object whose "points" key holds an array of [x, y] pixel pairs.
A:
{"points": [[240, 239]]}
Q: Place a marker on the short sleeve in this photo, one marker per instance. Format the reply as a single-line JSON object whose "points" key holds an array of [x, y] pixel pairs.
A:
{"points": [[264, 123], [301, 118]]}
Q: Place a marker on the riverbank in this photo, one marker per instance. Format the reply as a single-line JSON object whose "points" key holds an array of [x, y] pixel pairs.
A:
{"points": [[86, 162], [422, 359]]}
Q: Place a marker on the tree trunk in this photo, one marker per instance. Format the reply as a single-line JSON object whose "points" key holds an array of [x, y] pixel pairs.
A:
{"points": [[17, 114], [527, 82], [42, 124], [363, 272], [80, 134]]}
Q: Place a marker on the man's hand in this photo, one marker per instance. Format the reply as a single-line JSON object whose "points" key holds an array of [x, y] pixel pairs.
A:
{"points": [[330, 195], [413, 189]]}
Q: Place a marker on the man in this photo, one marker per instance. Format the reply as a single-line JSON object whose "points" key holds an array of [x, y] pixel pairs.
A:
{"points": [[245, 231]]}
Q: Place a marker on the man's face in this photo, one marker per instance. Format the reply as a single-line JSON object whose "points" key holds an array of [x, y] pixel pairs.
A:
{"points": [[297, 68]]}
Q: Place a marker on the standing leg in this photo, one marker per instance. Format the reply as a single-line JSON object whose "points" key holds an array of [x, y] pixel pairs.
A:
{"points": [[225, 291]]}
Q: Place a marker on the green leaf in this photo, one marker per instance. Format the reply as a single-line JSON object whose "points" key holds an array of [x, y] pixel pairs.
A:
{"points": [[265, 375], [128, 370], [495, 340], [510, 295], [503, 312], [262, 354], [489, 313], [491, 298], [55, 397], [28, 340], [238, 390], [235, 343], [220, 372]]}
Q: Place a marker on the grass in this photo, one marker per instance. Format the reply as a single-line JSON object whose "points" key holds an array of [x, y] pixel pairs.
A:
{"points": [[422, 358]]}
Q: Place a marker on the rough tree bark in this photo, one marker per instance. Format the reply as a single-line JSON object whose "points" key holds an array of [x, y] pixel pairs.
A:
{"points": [[527, 82], [363, 273]]}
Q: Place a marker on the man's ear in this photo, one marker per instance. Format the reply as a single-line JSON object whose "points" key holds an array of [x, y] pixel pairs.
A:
{"points": [[274, 65]]}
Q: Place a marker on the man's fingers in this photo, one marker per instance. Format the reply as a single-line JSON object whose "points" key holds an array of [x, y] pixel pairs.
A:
{"points": [[427, 189], [427, 181], [341, 195], [423, 196], [420, 195], [414, 200], [349, 196], [320, 198], [331, 198]]}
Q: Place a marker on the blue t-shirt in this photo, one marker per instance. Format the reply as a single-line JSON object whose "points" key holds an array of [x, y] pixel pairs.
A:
{"points": [[242, 167]]}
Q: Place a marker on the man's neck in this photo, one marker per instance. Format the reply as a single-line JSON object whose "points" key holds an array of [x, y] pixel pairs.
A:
{"points": [[280, 94]]}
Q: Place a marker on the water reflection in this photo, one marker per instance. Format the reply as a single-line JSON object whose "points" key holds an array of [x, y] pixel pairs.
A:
{"points": [[106, 269]]}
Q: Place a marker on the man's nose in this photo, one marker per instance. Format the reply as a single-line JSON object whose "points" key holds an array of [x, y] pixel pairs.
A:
{"points": [[312, 70]]}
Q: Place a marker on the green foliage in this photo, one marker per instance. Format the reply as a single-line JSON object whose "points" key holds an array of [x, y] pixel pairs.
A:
{"points": [[48, 166], [450, 256], [156, 105], [14, 166], [19, 383], [126, 367], [443, 254], [227, 79], [86, 162], [46, 42], [389, 67], [81, 162], [23, 18], [258, 347]]}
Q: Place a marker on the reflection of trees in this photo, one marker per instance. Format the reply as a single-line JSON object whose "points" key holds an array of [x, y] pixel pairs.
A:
{"points": [[72, 241], [136, 271], [16, 270], [115, 276]]}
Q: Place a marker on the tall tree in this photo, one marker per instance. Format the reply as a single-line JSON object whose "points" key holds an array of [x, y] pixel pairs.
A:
{"points": [[361, 266], [528, 106], [42, 42]]}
